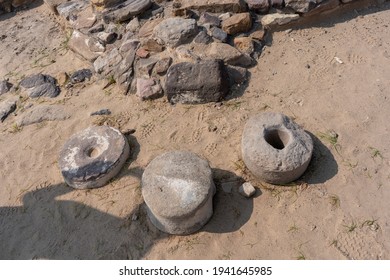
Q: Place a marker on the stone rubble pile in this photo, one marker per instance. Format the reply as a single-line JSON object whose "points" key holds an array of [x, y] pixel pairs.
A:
{"points": [[191, 51]]}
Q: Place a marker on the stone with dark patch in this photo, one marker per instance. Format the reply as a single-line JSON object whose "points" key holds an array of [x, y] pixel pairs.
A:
{"points": [[126, 10], [6, 108], [5, 87], [80, 76]]}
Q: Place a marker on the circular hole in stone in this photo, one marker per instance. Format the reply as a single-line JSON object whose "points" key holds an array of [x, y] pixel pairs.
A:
{"points": [[93, 152], [277, 138]]}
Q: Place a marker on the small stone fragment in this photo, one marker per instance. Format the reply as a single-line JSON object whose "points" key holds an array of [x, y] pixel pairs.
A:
{"points": [[247, 190], [80, 76], [142, 53], [78, 43], [258, 35], [148, 89], [203, 38], [278, 19], [107, 37], [95, 45], [301, 6], [5, 86], [237, 75], [62, 78], [258, 5], [244, 45], [219, 34], [152, 45], [96, 29], [6, 108], [207, 18], [101, 112], [85, 19], [162, 65], [228, 54], [126, 10], [237, 23], [146, 30], [224, 16], [133, 25]]}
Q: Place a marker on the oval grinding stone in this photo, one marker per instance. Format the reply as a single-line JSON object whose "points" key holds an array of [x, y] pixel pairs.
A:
{"points": [[178, 189], [90, 158], [275, 149]]}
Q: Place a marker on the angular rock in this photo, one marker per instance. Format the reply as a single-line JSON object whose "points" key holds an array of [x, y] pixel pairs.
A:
{"points": [[300, 6], [258, 35], [258, 5], [145, 66], [202, 82], [244, 45], [207, 18], [224, 16], [133, 25], [52, 4], [176, 31], [80, 76], [127, 10], [66, 9], [129, 45], [229, 55], [5, 86], [101, 112], [62, 78], [203, 38], [148, 89], [219, 34], [96, 29], [142, 53], [95, 45], [36, 80], [212, 6], [123, 73], [105, 3], [107, 37], [247, 190], [85, 19], [79, 44], [271, 20], [162, 65], [185, 53], [6, 108], [146, 30], [237, 23], [42, 113], [152, 45], [323, 7], [105, 64], [237, 75]]}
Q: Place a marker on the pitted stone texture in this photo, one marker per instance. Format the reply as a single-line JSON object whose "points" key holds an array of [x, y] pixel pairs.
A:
{"points": [[212, 6], [90, 158], [275, 149], [176, 31], [237, 23], [271, 20], [127, 10], [201, 82], [178, 189], [300, 6]]}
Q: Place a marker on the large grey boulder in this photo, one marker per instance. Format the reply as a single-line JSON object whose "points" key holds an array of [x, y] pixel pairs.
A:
{"points": [[275, 149], [202, 82], [90, 158], [176, 31], [40, 85], [178, 190]]}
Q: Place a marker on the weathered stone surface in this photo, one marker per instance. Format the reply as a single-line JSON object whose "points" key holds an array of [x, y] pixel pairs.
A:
{"points": [[152, 45], [228, 54], [237, 75], [237, 23], [104, 64], [205, 81], [146, 30], [42, 113], [186, 54], [247, 190], [105, 3], [203, 38], [67, 8], [142, 53], [96, 29], [176, 31], [129, 45], [78, 43], [148, 89], [275, 149], [178, 189], [90, 158], [278, 19], [244, 45], [133, 25], [224, 16], [107, 37], [162, 65], [52, 4], [207, 18], [219, 34], [258, 5], [40, 85], [300, 6], [323, 7], [6, 108], [127, 10], [85, 19], [101, 112], [80, 76], [212, 6], [258, 35], [95, 45], [5, 86], [145, 66]]}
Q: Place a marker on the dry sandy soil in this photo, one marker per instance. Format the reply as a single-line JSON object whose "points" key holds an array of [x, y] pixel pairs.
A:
{"points": [[337, 210]]}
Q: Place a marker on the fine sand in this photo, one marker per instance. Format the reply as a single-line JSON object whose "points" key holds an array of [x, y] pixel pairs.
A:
{"points": [[331, 76]]}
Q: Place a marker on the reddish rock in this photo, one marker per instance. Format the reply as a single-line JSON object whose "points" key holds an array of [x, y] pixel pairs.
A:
{"points": [[142, 53], [148, 89], [237, 23], [244, 44]]}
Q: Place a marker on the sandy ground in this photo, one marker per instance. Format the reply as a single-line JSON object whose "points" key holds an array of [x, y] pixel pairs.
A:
{"points": [[337, 210]]}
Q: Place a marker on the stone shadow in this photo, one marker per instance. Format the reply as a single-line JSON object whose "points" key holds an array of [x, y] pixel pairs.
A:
{"points": [[4, 15], [323, 165], [231, 210]]}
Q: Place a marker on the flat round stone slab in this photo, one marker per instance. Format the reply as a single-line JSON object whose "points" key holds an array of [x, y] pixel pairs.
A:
{"points": [[275, 149], [90, 158], [178, 189]]}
